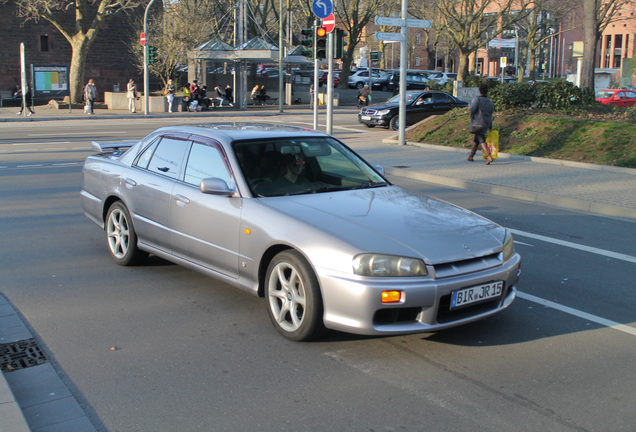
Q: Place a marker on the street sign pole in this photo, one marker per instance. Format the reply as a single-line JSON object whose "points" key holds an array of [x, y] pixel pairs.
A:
{"points": [[316, 88], [23, 80], [330, 83], [146, 83], [402, 109]]}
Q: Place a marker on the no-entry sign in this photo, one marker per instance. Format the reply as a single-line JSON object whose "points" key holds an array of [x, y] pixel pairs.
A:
{"points": [[142, 39], [329, 23]]}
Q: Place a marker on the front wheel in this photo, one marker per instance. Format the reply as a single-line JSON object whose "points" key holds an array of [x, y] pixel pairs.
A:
{"points": [[370, 125], [359, 85], [293, 297], [394, 124], [121, 236]]}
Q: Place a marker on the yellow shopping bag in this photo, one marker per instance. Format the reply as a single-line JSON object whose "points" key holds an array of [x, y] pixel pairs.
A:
{"points": [[492, 141]]}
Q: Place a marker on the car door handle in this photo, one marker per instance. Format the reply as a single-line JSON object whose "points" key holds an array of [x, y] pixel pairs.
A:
{"points": [[130, 183], [181, 200]]}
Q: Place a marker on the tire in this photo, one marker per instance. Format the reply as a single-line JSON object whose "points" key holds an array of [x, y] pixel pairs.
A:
{"points": [[385, 88], [370, 126], [294, 303], [394, 123], [359, 85], [121, 237]]}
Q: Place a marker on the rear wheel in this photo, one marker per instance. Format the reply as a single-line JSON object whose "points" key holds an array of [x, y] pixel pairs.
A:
{"points": [[121, 237], [359, 85], [293, 297]]}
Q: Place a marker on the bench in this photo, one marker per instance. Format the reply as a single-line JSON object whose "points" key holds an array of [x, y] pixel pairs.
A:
{"points": [[5, 95]]}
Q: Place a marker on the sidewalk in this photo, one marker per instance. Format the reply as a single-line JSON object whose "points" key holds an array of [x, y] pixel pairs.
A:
{"points": [[596, 189]]}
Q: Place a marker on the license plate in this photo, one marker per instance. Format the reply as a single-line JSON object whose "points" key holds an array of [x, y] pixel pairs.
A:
{"points": [[476, 294], [365, 118]]}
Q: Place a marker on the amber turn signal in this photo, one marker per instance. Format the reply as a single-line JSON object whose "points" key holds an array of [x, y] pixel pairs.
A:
{"points": [[391, 296]]}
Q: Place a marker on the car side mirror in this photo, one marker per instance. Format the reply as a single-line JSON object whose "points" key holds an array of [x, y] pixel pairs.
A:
{"points": [[215, 186], [380, 169]]}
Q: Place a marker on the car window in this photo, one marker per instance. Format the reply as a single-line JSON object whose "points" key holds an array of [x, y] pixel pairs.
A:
{"points": [[425, 99], [631, 95], [167, 157], [443, 98], [205, 161]]}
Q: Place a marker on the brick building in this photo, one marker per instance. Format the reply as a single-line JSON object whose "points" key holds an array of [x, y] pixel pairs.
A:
{"points": [[108, 62]]}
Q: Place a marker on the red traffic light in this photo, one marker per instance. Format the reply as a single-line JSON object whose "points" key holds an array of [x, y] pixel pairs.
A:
{"points": [[321, 32]]}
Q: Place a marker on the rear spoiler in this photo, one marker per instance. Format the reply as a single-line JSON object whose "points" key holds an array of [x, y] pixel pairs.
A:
{"points": [[115, 146]]}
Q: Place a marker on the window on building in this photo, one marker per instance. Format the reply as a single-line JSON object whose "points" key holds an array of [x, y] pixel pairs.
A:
{"points": [[44, 43], [417, 61], [418, 38]]}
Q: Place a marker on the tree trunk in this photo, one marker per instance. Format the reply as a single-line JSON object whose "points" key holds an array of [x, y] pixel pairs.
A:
{"points": [[463, 66], [590, 37], [80, 45]]}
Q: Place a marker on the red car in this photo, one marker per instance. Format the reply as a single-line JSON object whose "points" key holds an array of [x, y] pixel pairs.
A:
{"points": [[322, 79], [618, 97]]}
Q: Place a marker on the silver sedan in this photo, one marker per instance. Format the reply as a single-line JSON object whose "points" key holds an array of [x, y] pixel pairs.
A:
{"points": [[297, 217]]}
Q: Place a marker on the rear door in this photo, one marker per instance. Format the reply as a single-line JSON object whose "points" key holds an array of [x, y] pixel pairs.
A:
{"points": [[148, 186]]}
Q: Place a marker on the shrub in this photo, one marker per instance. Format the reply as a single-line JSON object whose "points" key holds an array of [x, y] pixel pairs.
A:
{"points": [[513, 95]]}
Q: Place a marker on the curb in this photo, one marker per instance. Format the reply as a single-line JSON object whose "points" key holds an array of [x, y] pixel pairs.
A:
{"points": [[507, 192]]}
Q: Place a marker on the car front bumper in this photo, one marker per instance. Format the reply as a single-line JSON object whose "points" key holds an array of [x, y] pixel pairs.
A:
{"points": [[373, 120], [353, 304]]}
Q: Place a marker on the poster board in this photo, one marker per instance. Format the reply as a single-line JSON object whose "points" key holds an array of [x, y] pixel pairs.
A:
{"points": [[50, 80]]}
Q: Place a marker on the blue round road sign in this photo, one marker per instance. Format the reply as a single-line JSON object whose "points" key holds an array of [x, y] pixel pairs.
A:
{"points": [[322, 8]]}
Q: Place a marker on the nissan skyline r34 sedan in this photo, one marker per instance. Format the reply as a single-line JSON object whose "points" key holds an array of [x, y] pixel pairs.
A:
{"points": [[297, 217]]}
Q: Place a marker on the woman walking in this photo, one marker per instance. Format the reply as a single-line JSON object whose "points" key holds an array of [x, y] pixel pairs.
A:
{"points": [[481, 109]]}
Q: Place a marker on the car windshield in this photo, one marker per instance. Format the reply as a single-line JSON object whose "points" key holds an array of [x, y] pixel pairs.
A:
{"points": [[295, 166], [604, 94], [410, 97]]}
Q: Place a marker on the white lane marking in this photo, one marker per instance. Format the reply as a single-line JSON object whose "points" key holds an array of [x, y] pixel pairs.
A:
{"points": [[80, 133], [41, 143], [29, 166], [65, 164], [586, 316], [522, 243], [603, 252]]}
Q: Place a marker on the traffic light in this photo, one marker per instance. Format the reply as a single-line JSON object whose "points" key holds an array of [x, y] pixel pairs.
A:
{"points": [[308, 42], [152, 54], [340, 43], [321, 43]]}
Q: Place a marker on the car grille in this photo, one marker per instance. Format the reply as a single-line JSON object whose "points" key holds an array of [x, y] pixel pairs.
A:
{"points": [[368, 111], [458, 268]]}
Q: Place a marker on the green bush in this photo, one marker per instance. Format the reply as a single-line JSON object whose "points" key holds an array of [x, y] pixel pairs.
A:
{"points": [[563, 94], [631, 114], [513, 95]]}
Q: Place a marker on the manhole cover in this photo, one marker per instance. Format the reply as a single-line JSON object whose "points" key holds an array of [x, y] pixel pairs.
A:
{"points": [[21, 354]]}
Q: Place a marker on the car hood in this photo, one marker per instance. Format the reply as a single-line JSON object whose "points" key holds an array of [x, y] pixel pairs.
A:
{"points": [[382, 106], [392, 221]]}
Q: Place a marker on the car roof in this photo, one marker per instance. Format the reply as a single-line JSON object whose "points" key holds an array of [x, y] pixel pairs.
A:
{"points": [[231, 131]]}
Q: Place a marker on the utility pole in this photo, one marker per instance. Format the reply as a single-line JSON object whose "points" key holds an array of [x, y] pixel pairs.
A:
{"points": [[146, 84]]}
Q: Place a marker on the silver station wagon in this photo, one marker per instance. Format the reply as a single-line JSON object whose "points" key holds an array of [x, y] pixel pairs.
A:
{"points": [[297, 217]]}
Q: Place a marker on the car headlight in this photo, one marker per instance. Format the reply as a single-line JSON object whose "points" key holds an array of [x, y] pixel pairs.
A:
{"points": [[508, 246], [383, 112], [388, 266]]}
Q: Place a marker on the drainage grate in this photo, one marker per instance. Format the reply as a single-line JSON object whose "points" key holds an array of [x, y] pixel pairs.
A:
{"points": [[21, 354]]}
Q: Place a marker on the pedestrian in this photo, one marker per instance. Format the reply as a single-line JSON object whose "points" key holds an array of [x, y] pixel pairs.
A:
{"points": [[219, 95], [169, 92], [363, 96], [254, 95], [195, 90], [131, 94], [24, 101], [90, 95], [311, 95], [186, 97], [481, 109], [229, 95], [262, 95]]}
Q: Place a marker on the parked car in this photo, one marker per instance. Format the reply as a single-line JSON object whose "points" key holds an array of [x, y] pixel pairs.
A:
{"points": [[323, 78], [618, 97], [419, 105], [414, 81], [442, 78], [297, 217], [361, 77]]}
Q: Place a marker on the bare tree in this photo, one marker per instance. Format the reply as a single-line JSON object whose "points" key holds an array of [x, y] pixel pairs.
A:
{"points": [[472, 23], [597, 14], [355, 16], [545, 19], [79, 21]]}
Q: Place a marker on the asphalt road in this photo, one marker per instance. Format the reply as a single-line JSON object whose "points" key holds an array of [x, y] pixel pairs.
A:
{"points": [[162, 348]]}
